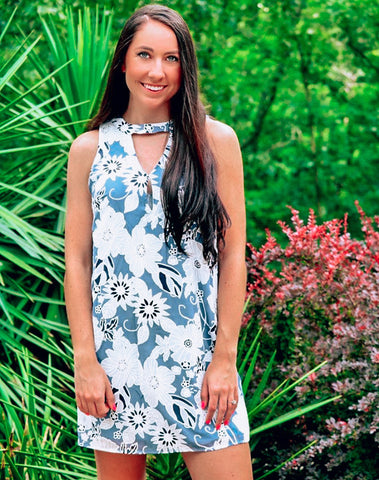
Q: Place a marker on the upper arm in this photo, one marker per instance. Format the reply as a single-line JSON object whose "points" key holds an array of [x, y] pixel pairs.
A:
{"points": [[230, 183], [78, 229]]}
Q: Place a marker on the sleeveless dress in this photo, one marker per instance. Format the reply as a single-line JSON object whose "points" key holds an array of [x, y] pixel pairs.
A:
{"points": [[154, 311]]}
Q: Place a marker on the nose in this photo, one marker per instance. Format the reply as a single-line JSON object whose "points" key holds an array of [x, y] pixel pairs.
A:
{"points": [[156, 70]]}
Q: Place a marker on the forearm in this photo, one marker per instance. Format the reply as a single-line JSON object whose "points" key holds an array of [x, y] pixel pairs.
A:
{"points": [[79, 310], [231, 296]]}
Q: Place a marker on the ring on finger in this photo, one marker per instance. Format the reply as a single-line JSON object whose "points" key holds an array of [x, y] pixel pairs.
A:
{"points": [[233, 402]]}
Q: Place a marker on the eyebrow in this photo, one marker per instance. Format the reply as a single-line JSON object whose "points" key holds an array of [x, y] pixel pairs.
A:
{"points": [[144, 47]]}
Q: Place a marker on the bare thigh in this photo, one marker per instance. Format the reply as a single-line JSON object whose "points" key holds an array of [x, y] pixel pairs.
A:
{"points": [[225, 464], [119, 466]]}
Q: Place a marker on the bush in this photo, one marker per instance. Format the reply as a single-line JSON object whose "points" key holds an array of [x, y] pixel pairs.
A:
{"points": [[318, 299]]}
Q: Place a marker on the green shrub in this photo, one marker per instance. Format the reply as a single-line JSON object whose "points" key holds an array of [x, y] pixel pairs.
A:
{"points": [[318, 299]]}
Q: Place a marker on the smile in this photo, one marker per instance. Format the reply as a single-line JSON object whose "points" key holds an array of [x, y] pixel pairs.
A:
{"points": [[153, 88]]}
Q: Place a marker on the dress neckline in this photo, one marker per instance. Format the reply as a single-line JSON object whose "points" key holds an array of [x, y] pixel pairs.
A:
{"points": [[144, 128]]}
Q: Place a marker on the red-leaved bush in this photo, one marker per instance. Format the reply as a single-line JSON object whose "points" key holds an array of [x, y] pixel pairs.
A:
{"points": [[318, 299]]}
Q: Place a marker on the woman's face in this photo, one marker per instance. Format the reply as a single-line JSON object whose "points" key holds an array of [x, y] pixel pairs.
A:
{"points": [[152, 70]]}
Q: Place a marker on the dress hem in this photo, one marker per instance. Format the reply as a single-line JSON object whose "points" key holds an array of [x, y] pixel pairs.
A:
{"points": [[221, 447]]}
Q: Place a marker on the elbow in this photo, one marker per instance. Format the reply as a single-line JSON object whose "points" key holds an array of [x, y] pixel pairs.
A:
{"points": [[233, 263]]}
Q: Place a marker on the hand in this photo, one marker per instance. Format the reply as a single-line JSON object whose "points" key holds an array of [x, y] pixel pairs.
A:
{"points": [[93, 390], [219, 389]]}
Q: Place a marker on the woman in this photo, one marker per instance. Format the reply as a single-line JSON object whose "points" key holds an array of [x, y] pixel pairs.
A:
{"points": [[154, 244]]}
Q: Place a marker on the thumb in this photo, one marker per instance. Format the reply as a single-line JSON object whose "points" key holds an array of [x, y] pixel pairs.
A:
{"points": [[109, 397]]}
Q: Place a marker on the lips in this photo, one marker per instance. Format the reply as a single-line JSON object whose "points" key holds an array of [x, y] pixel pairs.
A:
{"points": [[154, 88]]}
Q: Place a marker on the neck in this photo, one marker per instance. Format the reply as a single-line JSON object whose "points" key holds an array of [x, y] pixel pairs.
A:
{"points": [[139, 116]]}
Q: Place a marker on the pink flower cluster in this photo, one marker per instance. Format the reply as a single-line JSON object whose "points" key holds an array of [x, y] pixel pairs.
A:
{"points": [[327, 285]]}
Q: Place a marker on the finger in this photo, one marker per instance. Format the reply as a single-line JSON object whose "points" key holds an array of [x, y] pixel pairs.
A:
{"points": [[82, 405], [232, 405], [222, 409], [109, 397], [93, 403], [212, 406], [101, 409], [99, 404], [89, 406], [204, 396]]}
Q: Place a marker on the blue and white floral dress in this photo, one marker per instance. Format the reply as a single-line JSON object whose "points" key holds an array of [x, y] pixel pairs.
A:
{"points": [[154, 311]]}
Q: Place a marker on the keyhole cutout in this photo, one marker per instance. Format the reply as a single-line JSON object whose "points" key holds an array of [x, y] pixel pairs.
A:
{"points": [[149, 191], [149, 149]]}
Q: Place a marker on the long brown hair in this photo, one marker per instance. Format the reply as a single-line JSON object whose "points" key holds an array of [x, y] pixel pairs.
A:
{"points": [[191, 166]]}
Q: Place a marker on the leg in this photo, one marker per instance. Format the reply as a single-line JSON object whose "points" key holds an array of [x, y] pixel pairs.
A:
{"points": [[225, 464], [119, 466]]}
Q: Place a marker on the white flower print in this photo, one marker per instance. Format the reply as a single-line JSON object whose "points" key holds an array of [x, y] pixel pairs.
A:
{"points": [[122, 363], [111, 132], [110, 168], [185, 343], [195, 267], [186, 390], [154, 311], [98, 334], [213, 286], [99, 443], [108, 326], [136, 181], [153, 215], [162, 348], [110, 234], [223, 437], [138, 420], [129, 449], [119, 291], [99, 199], [168, 438], [142, 251], [173, 256], [106, 423], [151, 309], [156, 383], [148, 128], [125, 127], [103, 268], [84, 421]]}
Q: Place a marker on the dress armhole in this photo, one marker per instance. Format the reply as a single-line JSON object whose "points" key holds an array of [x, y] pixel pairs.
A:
{"points": [[98, 154]]}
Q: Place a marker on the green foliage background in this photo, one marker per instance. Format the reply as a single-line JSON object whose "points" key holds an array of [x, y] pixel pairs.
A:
{"points": [[297, 80]]}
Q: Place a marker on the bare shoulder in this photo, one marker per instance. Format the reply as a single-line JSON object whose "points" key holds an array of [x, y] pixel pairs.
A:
{"points": [[82, 153], [223, 142], [86, 144], [220, 132]]}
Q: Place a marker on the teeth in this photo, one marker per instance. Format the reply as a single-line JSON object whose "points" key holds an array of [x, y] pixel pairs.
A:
{"points": [[153, 87]]}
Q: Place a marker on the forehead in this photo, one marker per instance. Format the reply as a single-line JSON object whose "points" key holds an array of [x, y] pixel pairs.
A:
{"points": [[155, 35]]}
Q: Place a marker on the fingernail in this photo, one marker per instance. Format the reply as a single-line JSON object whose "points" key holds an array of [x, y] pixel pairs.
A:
{"points": [[226, 422], [87, 414], [218, 427], [203, 405], [207, 422], [114, 408]]}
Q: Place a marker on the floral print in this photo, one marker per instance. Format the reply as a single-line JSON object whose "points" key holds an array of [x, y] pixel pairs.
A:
{"points": [[154, 311], [119, 292]]}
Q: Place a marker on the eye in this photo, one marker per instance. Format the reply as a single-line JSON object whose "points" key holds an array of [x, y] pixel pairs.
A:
{"points": [[173, 58], [144, 54]]}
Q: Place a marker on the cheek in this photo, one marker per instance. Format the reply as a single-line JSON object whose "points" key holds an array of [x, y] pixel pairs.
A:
{"points": [[178, 77], [132, 73]]}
